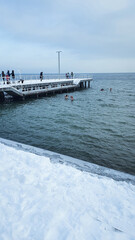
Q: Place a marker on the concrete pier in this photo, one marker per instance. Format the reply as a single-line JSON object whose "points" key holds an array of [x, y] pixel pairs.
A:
{"points": [[23, 89]]}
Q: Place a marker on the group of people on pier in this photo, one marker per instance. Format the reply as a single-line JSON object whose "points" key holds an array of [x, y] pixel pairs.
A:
{"points": [[69, 75], [11, 75], [6, 77]]}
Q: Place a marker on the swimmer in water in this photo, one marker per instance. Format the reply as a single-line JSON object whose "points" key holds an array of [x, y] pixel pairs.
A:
{"points": [[66, 97], [72, 98]]}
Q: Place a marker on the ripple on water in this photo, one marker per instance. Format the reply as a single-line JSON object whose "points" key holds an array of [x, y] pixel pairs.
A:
{"points": [[97, 127]]}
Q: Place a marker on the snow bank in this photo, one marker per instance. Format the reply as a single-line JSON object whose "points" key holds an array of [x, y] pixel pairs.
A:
{"points": [[52, 201]]}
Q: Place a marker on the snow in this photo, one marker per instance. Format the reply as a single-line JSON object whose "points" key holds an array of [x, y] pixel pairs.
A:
{"points": [[38, 81], [34, 81], [41, 199]]}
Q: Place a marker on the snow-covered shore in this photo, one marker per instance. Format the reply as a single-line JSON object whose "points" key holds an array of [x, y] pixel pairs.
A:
{"points": [[41, 199]]}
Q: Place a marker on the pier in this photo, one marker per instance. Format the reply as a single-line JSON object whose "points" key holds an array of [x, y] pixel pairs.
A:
{"points": [[22, 89]]}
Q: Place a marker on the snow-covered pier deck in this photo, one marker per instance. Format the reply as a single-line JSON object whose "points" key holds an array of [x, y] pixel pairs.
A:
{"points": [[40, 87]]}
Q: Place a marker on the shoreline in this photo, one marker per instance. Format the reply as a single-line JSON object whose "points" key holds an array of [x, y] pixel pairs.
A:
{"points": [[45, 199], [74, 162]]}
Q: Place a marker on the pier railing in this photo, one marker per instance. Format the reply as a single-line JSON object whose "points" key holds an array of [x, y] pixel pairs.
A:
{"points": [[18, 77]]}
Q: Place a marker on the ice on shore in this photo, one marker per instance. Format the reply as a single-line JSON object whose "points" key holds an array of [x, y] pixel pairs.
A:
{"points": [[52, 201]]}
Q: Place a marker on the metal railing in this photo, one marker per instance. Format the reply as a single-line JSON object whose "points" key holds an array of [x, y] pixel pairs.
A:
{"points": [[23, 77]]}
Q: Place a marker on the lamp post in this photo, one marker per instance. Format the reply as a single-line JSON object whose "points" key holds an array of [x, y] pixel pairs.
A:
{"points": [[59, 62]]}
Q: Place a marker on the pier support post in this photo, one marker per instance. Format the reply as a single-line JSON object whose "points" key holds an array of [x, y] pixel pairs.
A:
{"points": [[88, 84], [2, 97], [81, 84], [85, 84]]}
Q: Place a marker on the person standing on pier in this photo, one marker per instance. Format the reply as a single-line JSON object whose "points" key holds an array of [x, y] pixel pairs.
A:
{"points": [[67, 75], [13, 74], [41, 76], [8, 77], [72, 74], [8, 73], [3, 76]]}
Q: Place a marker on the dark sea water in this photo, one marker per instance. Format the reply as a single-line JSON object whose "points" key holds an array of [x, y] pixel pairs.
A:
{"points": [[97, 127]]}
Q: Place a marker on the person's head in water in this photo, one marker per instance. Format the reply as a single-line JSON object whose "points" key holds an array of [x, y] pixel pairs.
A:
{"points": [[72, 98]]}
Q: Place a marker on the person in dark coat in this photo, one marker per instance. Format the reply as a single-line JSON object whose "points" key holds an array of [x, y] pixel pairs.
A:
{"points": [[3, 76], [41, 76], [13, 74], [72, 74]]}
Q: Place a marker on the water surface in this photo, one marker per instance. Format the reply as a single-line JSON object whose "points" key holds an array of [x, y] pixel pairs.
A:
{"points": [[98, 127]]}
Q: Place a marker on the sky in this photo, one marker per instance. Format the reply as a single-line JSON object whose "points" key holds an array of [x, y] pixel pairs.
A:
{"points": [[94, 36]]}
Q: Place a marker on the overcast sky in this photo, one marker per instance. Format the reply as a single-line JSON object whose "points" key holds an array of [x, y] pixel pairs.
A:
{"points": [[93, 35]]}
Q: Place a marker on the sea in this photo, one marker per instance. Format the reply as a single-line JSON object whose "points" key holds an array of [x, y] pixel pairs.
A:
{"points": [[97, 127]]}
